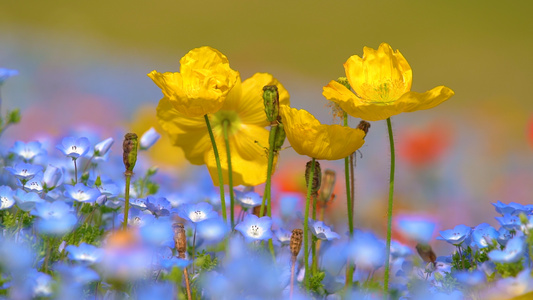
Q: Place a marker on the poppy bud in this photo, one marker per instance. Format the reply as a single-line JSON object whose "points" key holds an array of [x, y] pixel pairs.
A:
{"points": [[296, 241], [317, 177], [129, 156], [426, 253], [344, 81], [271, 101], [328, 185]]}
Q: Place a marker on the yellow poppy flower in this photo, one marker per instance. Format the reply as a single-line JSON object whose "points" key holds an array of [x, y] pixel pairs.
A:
{"points": [[381, 80], [202, 85], [308, 137], [245, 112]]}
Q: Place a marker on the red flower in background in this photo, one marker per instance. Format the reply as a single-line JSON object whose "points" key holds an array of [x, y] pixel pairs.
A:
{"points": [[424, 147]]}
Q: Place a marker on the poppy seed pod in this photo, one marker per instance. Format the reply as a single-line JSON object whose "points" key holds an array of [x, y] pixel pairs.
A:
{"points": [[180, 239], [426, 253], [328, 185], [130, 147], [271, 101], [296, 241], [317, 177], [364, 126]]}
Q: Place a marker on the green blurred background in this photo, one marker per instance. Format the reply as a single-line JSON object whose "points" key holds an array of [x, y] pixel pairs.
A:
{"points": [[90, 59]]}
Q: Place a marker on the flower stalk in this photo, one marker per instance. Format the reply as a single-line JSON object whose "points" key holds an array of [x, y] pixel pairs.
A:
{"points": [[219, 168], [389, 208], [129, 147], [225, 124], [306, 218]]}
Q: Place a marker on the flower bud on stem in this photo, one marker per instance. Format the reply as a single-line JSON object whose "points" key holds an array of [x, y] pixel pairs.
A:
{"points": [[295, 246], [129, 146], [180, 241]]}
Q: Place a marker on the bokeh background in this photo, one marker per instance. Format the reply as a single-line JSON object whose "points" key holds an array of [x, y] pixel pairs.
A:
{"points": [[84, 64]]}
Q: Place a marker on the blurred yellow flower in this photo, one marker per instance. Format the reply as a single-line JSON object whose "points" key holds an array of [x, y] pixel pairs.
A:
{"points": [[308, 137], [202, 85], [381, 80], [245, 112]]}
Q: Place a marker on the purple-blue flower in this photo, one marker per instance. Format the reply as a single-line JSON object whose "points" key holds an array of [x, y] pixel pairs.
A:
{"points": [[512, 208], [254, 228], [34, 184], [197, 212], [27, 151], [322, 231], [103, 147], [509, 222], [212, 230], [52, 177], [470, 278], [6, 197], [416, 228], [81, 193], [484, 234], [456, 235], [26, 201], [6, 73], [158, 232], [24, 171], [513, 252], [148, 139], [74, 147], [248, 199], [158, 206], [366, 250], [284, 236], [55, 218], [85, 253]]}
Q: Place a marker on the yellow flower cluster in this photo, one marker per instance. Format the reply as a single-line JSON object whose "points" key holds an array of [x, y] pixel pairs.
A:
{"points": [[206, 85]]}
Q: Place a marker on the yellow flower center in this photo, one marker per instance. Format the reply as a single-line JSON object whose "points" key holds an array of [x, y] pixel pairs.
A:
{"points": [[223, 116], [382, 92]]}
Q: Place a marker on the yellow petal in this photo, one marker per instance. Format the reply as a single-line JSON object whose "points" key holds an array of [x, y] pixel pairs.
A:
{"points": [[202, 85], [250, 104], [381, 75], [308, 137], [188, 133], [413, 101], [248, 159]]}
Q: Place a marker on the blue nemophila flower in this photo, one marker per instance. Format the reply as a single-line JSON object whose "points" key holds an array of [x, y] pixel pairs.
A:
{"points": [[52, 177], [484, 234], [148, 139], [512, 208], [160, 290], [6, 197], [26, 201], [103, 147], [197, 212], [74, 147], [109, 189], [416, 228], [284, 236], [85, 253], [6, 73], [138, 217], [158, 206], [212, 230], [470, 278], [504, 235], [254, 228], [366, 250], [322, 231], [509, 222], [289, 204], [55, 218], [27, 151], [248, 199], [399, 250], [81, 193], [24, 171], [456, 235], [158, 232], [77, 275], [34, 184], [41, 284], [513, 252]]}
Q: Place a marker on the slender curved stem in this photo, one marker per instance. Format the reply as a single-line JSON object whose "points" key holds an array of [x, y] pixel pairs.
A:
{"points": [[126, 200], [349, 267], [75, 171], [230, 172], [389, 209], [268, 184], [306, 219], [219, 168]]}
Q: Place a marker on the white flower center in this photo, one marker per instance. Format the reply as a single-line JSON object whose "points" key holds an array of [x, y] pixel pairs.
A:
{"points": [[81, 196], [197, 216], [255, 231]]}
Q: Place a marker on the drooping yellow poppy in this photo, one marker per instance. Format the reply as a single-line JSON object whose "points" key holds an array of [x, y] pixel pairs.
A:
{"points": [[201, 86], [245, 112], [381, 80], [308, 137]]}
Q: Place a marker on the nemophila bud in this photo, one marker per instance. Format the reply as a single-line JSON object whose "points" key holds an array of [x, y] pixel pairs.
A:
{"points": [[328, 185], [426, 253], [52, 177], [296, 241], [364, 126], [13, 116], [317, 176], [344, 81], [271, 101], [101, 200], [130, 147], [101, 148], [149, 138], [180, 239]]}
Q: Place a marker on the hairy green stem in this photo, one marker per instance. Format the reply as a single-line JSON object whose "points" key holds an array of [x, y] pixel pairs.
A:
{"points": [[306, 219], [126, 200], [349, 266], [230, 172], [266, 194], [219, 168], [389, 209]]}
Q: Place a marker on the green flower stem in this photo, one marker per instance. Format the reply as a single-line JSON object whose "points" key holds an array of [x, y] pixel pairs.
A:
{"points": [[219, 168], [314, 262], [349, 266], [75, 171], [266, 194], [306, 219], [389, 209], [126, 200], [230, 172]]}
